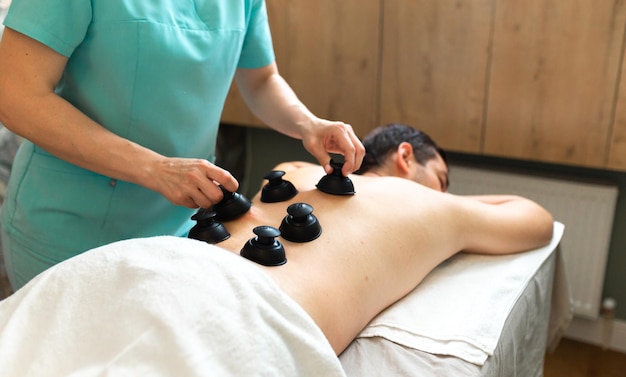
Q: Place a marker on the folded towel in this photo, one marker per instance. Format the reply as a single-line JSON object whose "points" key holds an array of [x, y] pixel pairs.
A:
{"points": [[162, 306], [461, 307]]}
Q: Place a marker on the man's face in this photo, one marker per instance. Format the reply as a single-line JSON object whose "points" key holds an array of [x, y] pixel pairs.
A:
{"points": [[433, 175]]}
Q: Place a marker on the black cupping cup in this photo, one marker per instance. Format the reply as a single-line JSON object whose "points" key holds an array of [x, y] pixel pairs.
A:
{"points": [[232, 206], [336, 183], [277, 189], [300, 225], [265, 249], [207, 228]]}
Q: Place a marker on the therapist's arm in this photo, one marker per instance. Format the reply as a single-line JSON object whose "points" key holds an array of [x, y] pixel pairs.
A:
{"points": [[29, 106], [273, 101]]}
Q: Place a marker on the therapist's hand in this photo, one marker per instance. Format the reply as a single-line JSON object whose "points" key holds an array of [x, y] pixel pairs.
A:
{"points": [[325, 137], [191, 183]]}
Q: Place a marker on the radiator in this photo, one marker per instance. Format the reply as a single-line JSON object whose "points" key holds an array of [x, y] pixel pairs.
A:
{"points": [[587, 210]]}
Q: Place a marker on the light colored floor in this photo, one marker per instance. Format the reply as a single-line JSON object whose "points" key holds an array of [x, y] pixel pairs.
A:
{"points": [[576, 359]]}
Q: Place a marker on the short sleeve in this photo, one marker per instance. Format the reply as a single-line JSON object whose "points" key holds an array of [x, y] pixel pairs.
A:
{"points": [[257, 50], [59, 24]]}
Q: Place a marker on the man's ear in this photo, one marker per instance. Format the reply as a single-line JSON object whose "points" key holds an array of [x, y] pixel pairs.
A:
{"points": [[404, 158]]}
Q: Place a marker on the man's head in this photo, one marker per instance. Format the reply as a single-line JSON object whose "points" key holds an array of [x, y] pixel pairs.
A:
{"points": [[400, 150]]}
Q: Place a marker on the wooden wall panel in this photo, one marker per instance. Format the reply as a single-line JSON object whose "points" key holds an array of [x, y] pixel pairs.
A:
{"points": [[532, 79], [553, 79], [617, 150], [434, 66], [328, 51], [332, 58]]}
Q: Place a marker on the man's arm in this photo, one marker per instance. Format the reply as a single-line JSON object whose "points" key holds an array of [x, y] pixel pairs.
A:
{"points": [[492, 199], [502, 224]]}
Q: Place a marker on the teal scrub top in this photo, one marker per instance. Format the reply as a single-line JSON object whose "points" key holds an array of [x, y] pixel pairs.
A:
{"points": [[155, 72]]}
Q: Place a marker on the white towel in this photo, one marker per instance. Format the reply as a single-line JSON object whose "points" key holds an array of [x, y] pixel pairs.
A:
{"points": [[162, 306], [455, 311], [3, 14], [4, 9]]}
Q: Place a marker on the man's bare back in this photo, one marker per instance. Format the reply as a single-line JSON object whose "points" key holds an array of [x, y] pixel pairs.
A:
{"points": [[379, 244]]}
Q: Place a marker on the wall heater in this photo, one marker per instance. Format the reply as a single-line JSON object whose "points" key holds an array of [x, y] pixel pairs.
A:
{"points": [[587, 210]]}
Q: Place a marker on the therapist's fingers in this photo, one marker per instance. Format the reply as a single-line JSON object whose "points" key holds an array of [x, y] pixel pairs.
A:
{"points": [[353, 161], [193, 183], [205, 197], [208, 191], [335, 137]]}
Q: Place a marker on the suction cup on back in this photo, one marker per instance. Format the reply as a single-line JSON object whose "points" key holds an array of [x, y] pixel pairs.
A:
{"points": [[300, 225], [264, 248], [232, 206], [207, 228], [277, 189], [336, 183]]}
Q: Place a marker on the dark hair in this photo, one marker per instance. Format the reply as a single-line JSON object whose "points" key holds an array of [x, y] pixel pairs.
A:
{"points": [[384, 140]]}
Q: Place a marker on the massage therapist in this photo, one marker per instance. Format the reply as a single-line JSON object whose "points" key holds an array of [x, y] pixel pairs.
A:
{"points": [[119, 103]]}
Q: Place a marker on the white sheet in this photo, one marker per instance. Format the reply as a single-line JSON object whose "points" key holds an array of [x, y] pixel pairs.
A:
{"points": [[429, 318], [161, 306], [520, 351], [4, 8]]}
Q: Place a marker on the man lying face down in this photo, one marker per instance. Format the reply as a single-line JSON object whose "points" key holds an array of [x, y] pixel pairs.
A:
{"points": [[375, 246], [380, 243]]}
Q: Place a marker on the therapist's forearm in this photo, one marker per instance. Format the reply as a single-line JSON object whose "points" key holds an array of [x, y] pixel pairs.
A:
{"points": [[273, 101], [59, 128], [29, 106]]}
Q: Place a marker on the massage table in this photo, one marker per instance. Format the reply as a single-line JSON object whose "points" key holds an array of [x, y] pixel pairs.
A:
{"points": [[168, 306], [474, 315]]}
